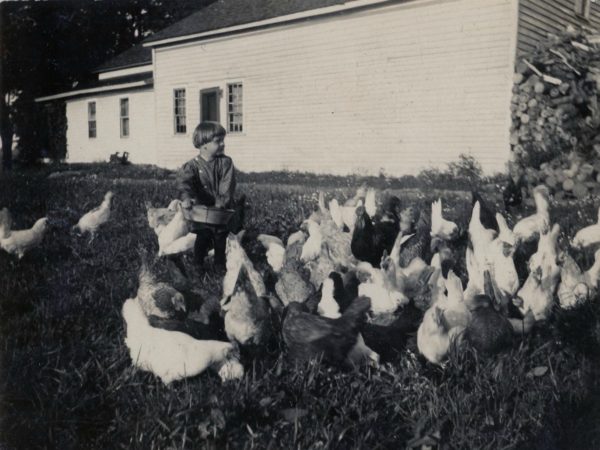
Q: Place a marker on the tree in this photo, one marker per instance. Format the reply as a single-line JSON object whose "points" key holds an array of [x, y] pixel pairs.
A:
{"points": [[46, 46]]}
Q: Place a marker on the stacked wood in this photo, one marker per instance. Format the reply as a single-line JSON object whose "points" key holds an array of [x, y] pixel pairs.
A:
{"points": [[555, 132]]}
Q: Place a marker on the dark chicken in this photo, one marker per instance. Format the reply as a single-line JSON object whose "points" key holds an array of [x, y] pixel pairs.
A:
{"points": [[370, 240], [308, 336]]}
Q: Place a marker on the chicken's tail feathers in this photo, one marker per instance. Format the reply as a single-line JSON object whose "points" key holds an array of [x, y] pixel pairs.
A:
{"points": [[436, 214], [357, 309], [322, 206]]}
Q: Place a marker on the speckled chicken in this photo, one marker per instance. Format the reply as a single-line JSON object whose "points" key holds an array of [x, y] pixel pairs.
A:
{"points": [[157, 298], [309, 336], [18, 242], [293, 282], [435, 337]]}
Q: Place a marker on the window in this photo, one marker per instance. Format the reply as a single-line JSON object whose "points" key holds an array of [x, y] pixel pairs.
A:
{"points": [[582, 8], [91, 119], [179, 110], [234, 107], [209, 104], [124, 116]]}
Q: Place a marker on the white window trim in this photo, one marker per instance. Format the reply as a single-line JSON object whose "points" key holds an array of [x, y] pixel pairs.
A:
{"points": [[585, 5]]}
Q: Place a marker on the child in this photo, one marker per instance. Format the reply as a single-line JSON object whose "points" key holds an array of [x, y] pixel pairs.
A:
{"points": [[209, 180]]}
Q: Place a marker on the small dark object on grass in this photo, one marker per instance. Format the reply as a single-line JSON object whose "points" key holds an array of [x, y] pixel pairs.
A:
{"points": [[116, 159]]}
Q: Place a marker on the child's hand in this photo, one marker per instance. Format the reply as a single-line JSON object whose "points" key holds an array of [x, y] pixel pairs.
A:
{"points": [[186, 204]]}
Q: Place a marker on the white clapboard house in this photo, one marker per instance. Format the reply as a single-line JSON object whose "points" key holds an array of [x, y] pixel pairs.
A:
{"points": [[335, 86]]}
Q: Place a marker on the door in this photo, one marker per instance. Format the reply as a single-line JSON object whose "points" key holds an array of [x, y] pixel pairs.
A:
{"points": [[209, 104]]}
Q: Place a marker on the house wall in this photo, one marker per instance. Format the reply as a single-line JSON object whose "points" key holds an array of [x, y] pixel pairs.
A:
{"points": [[396, 88], [539, 17], [139, 144]]}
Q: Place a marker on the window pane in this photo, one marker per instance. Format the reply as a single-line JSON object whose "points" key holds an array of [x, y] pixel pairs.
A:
{"points": [[234, 107], [179, 110]]}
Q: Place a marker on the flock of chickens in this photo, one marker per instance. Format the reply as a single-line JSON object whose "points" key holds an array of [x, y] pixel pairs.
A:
{"points": [[349, 287]]}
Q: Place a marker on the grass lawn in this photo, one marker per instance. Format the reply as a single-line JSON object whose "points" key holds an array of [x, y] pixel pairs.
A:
{"points": [[66, 379]]}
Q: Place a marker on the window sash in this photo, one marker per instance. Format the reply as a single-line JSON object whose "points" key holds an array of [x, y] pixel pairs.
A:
{"points": [[179, 111], [92, 131], [124, 117], [235, 115]]}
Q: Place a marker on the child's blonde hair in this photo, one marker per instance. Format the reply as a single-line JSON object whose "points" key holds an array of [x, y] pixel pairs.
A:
{"points": [[206, 131]]}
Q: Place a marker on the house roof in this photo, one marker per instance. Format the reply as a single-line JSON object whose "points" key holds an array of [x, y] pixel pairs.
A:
{"points": [[135, 56], [228, 13], [135, 81]]}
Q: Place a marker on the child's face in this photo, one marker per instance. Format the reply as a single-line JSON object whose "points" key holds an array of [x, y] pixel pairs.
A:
{"points": [[216, 146]]}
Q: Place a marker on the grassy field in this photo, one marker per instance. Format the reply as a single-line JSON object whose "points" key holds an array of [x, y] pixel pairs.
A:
{"points": [[66, 379]]}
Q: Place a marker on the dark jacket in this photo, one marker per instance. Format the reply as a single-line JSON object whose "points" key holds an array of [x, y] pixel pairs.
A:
{"points": [[206, 182]]}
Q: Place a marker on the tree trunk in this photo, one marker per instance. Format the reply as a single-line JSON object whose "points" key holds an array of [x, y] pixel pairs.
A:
{"points": [[6, 135]]}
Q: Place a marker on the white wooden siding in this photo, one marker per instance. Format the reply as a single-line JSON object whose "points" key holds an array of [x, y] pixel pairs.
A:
{"points": [[141, 140], [396, 88]]}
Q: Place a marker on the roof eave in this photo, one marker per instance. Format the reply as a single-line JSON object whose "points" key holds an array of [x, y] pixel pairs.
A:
{"points": [[97, 90], [275, 21], [126, 66]]}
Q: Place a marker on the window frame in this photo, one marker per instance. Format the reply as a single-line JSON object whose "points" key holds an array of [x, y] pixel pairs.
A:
{"points": [[179, 111], [231, 103], [217, 90], [124, 117], [92, 119]]}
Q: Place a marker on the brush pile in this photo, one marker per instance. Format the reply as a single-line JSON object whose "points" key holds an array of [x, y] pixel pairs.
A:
{"points": [[555, 133]]}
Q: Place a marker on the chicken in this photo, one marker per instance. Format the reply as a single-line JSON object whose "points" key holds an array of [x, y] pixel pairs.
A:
{"points": [[312, 247], [156, 298], [293, 283], [371, 202], [537, 294], [172, 355], [275, 251], [248, 317], [435, 337], [572, 289], [511, 193], [308, 336], [175, 229], [547, 253], [486, 215], [503, 266], [236, 257], [349, 214], [538, 223], [5, 223], [488, 331], [456, 312], [336, 213], [480, 236], [441, 227], [588, 236], [417, 245], [369, 240], [158, 218], [383, 288], [92, 220], [592, 276], [180, 245], [328, 306], [18, 242]]}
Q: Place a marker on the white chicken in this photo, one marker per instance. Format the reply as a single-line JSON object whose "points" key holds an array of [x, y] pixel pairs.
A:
{"points": [[5, 223], [592, 276], [236, 258], [537, 294], [18, 242], [381, 287], [371, 202], [92, 220], [336, 213], [503, 267], [312, 247], [275, 251], [455, 309], [588, 236], [505, 235], [538, 223], [435, 337], [175, 229], [349, 214], [172, 355], [547, 252], [158, 218], [179, 245], [440, 227], [327, 306]]}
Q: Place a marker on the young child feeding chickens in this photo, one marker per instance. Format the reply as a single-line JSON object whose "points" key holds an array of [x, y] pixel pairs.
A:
{"points": [[208, 180]]}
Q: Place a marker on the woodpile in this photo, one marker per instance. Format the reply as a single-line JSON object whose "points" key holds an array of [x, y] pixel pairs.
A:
{"points": [[555, 132]]}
